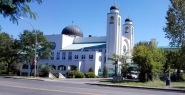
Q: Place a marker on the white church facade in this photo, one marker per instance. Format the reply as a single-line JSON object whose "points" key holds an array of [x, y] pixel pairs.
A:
{"points": [[71, 50]]}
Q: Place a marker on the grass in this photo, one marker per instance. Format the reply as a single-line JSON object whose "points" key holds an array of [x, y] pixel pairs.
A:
{"points": [[160, 84]]}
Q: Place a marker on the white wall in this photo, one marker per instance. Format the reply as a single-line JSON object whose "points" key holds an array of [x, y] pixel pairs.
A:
{"points": [[66, 40], [57, 38]]}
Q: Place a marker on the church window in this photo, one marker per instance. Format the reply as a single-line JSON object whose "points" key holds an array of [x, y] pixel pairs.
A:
{"points": [[76, 56], [52, 55], [132, 30], [111, 20], [90, 56], [70, 56], [100, 58], [83, 56], [124, 48], [86, 50], [58, 55], [126, 29], [119, 21], [100, 50], [63, 55]]}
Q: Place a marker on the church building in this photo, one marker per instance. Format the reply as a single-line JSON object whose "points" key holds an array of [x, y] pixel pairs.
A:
{"points": [[71, 50]]}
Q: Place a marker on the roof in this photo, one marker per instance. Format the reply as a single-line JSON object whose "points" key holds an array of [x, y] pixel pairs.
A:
{"points": [[114, 7], [72, 30], [84, 46]]}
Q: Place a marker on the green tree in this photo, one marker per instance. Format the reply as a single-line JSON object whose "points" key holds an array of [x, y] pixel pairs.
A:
{"points": [[17, 8], [175, 30], [27, 39], [10, 50], [105, 72], [45, 69], [149, 59], [121, 58]]}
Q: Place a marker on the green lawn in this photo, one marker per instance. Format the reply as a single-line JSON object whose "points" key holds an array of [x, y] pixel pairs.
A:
{"points": [[149, 84]]}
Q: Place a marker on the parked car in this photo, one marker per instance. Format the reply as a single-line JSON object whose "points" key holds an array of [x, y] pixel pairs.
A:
{"points": [[132, 75]]}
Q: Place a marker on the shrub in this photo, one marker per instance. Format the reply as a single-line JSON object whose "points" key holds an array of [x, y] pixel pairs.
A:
{"points": [[79, 75], [105, 72], [70, 74], [183, 77], [91, 75], [91, 69]]}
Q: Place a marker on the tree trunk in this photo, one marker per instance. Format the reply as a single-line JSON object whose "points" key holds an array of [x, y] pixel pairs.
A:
{"points": [[178, 74], [8, 69]]}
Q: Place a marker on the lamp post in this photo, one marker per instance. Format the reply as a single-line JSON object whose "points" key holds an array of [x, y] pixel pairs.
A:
{"points": [[35, 56]]}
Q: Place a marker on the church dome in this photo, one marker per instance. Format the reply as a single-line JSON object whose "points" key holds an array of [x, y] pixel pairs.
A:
{"points": [[72, 30], [114, 8], [128, 20]]}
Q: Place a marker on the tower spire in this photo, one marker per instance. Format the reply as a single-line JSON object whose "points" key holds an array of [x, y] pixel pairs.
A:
{"points": [[114, 2]]}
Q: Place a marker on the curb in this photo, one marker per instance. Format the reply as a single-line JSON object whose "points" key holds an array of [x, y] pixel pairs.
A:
{"points": [[138, 87], [23, 78]]}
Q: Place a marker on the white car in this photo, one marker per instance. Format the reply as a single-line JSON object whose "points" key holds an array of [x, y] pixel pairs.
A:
{"points": [[132, 75]]}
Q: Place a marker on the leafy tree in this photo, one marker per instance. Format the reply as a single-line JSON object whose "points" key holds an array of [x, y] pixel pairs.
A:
{"points": [[122, 59], [27, 40], [105, 72], [175, 30], [91, 69], [45, 69], [17, 8], [10, 50], [149, 59]]}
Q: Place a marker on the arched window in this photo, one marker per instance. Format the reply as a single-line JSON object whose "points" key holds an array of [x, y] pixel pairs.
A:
{"points": [[124, 48], [61, 67], [119, 21], [73, 67], [111, 20]]}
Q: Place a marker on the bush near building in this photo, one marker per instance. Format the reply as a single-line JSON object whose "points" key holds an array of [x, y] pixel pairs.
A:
{"points": [[79, 74], [91, 75]]}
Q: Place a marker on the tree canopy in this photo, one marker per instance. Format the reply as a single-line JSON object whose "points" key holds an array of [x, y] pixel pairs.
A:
{"points": [[175, 25], [17, 8], [10, 50], [149, 59], [27, 39]]}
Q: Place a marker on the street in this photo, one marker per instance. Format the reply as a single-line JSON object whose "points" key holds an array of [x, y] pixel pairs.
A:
{"points": [[11, 86]]}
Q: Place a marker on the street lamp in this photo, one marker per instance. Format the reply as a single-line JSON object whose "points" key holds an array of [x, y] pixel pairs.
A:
{"points": [[35, 56]]}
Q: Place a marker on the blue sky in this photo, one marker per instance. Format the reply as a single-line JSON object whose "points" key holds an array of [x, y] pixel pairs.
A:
{"points": [[90, 16]]}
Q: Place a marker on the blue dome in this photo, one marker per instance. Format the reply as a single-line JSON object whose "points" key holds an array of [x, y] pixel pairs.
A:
{"points": [[114, 7], [128, 19], [72, 30]]}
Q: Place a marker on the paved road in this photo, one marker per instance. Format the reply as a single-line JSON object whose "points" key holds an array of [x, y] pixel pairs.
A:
{"points": [[10, 86]]}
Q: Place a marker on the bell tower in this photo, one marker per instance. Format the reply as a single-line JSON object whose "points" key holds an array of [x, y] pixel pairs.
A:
{"points": [[128, 32], [113, 34]]}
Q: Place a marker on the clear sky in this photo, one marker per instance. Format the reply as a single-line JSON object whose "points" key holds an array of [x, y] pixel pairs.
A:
{"points": [[90, 16]]}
